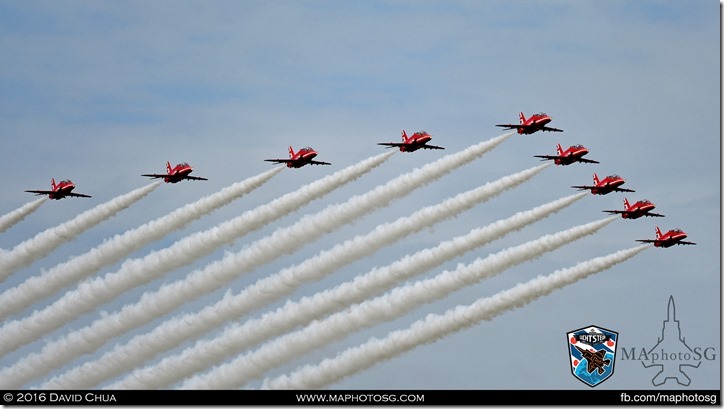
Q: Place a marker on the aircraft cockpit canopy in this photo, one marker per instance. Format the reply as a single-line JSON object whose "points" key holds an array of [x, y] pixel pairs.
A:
{"points": [[614, 176], [66, 182], [307, 149], [578, 147], [183, 164], [645, 201], [677, 231]]}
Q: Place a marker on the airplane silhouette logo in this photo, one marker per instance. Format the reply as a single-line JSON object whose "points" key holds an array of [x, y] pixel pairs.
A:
{"points": [[596, 360], [675, 346], [592, 353]]}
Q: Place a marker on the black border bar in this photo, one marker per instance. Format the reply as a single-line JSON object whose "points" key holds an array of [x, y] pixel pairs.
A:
{"points": [[586, 397]]}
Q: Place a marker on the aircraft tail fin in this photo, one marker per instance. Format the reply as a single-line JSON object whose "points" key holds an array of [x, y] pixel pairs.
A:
{"points": [[626, 205], [52, 183], [658, 232], [595, 179], [522, 118], [168, 167], [559, 149], [291, 152], [404, 136]]}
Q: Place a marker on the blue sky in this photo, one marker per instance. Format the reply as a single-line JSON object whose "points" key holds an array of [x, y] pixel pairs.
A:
{"points": [[101, 92]]}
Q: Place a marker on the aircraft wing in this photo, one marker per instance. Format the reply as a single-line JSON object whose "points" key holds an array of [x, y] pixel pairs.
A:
{"points": [[49, 192], [40, 192], [547, 157], [630, 212], [76, 194], [545, 128], [391, 144], [195, 178], [154, 175], [620, 189], [511, 126], [587, 160], [278, 161], [431, 147], [678, 242], [584, 187], [315, 162]]}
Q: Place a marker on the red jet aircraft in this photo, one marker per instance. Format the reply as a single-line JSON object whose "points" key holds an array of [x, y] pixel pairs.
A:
{"points": [[303, 157], [63, 189], [176, 174], [675, 236], [574, 153], [536, 122], [609, 184], [418, 140], [638, 209]]}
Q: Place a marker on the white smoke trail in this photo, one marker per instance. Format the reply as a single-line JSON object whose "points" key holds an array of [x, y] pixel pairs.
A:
{"points": [[213, 276], [141, 348], [111, 251], [44, 242], [9, 220], [90, 294], [239, 337], [386, 307], [434, 327]]}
